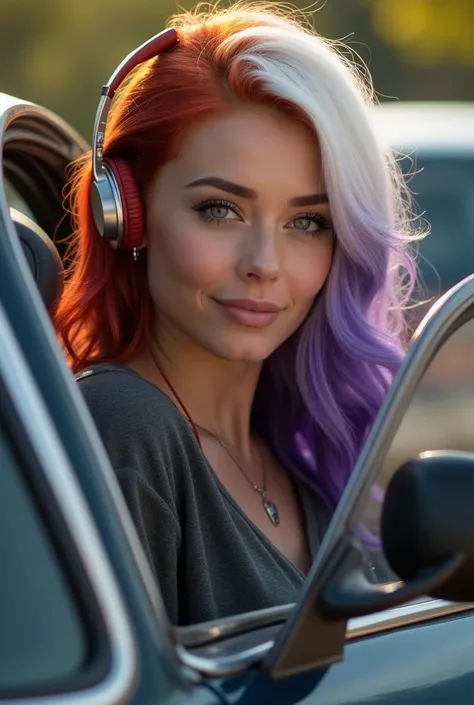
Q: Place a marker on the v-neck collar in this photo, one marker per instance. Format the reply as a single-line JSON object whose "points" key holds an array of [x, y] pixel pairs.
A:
{"points": [[312, 523]]}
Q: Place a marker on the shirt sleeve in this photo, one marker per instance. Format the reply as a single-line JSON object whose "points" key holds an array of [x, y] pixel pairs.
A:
{"points": [[159, 532], [137, 425]]}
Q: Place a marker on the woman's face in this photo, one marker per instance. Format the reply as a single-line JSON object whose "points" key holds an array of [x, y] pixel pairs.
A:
{"points": [[239, 234]]}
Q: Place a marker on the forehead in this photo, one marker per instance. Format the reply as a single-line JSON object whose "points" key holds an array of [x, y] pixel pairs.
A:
{"points": [[255, 146]]}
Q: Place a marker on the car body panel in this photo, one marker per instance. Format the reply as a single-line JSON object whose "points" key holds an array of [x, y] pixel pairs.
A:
{"points": [[424, 665]]}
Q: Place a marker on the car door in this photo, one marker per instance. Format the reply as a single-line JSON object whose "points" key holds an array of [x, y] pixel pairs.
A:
{"points": [[390, 656]]}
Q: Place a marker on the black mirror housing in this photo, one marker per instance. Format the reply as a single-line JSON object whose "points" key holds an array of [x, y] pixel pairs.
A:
{"points": [[428, 517]]}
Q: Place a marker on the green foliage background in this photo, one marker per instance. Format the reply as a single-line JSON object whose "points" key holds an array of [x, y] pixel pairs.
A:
{"points": [[59, 52]]}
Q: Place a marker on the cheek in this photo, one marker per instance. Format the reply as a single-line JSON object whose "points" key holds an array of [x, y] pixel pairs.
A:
{"points": [[310, 272], [182, 255]]}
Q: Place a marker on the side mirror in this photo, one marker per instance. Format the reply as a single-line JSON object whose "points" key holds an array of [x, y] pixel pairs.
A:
{"points": [[427, 539], [427, 518]]}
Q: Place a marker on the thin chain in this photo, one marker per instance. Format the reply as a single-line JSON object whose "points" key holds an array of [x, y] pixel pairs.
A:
{"points": [[270, 507], [260, 490], [170, 386]]}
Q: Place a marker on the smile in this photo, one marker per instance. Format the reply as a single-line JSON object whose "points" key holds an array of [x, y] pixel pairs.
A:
{"points": [[246, 312]]}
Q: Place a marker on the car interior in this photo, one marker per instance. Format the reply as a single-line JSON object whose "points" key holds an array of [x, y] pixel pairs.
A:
{"points": [[43, 258]]}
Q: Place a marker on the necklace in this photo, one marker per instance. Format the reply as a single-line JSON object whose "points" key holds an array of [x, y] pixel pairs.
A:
{"points": [[270, 507]]}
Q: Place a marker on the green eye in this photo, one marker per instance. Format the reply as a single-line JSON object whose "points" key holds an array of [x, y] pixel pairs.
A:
{"points": [[216, 211], [312, 223], [305, 224]]}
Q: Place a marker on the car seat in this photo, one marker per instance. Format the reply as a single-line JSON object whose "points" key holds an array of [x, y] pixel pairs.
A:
{"points": [[42, 257]]}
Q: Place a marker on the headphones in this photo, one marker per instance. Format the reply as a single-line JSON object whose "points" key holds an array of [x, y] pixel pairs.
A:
{"points": [[117, 208]]}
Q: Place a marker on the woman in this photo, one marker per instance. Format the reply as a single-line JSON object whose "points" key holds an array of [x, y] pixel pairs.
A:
{"points": [[235, 344]]}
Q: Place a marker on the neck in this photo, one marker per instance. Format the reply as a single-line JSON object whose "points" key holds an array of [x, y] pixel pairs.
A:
{"points": [[215, 394]]}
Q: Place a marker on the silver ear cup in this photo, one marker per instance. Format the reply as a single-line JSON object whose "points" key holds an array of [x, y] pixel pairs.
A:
{"points": [[107, 209]]}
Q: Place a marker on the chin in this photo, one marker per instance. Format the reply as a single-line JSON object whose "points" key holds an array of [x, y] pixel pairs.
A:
{"points": [[251, 352]]}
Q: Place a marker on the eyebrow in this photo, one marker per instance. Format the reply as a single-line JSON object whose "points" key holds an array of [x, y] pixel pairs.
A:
{"points": [[314, 199]]}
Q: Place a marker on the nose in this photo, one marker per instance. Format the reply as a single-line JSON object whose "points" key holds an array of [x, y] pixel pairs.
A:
{"points": [[261, 258]]}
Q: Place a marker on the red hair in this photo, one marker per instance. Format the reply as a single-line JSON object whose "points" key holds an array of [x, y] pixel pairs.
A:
{"points": [[106, 312]]}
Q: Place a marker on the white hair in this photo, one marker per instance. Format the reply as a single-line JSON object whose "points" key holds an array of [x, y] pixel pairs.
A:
{"points": [[367, 196]]}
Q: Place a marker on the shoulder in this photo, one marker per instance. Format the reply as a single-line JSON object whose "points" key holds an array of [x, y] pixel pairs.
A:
{"points": [[111, 386], [130, 411]]}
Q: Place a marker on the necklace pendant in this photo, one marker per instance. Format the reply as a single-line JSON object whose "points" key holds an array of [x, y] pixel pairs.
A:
{"points": [[272, 511]]}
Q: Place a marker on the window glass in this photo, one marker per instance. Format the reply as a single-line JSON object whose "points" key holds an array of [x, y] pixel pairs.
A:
{"points": [[440, 416], [42, 640]]}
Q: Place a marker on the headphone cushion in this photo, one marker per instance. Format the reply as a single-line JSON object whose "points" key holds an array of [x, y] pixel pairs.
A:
{"points": [[133, 217]]}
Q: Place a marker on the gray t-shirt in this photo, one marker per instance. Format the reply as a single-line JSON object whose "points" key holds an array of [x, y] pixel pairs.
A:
{"points": [[208, 557]]}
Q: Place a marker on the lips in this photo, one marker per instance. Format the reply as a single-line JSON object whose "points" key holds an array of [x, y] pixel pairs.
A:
{"points": [[256, 305], [250, 313]]}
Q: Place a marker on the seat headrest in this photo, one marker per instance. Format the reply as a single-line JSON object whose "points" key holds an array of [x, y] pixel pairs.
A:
{"points": [[42, 257]]}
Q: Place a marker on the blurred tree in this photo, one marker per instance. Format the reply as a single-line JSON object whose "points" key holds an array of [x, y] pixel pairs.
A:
{"points": [[427, 31], [64, 50], [59, 52]]}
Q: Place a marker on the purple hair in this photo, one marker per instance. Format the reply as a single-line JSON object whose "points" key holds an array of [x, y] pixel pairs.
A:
{"points": [[319, 393]]}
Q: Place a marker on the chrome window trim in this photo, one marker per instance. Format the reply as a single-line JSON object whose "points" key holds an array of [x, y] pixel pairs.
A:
{"points": [[118, 685], [216, 630], [225, 666], [403, 616], [386, 621]]}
